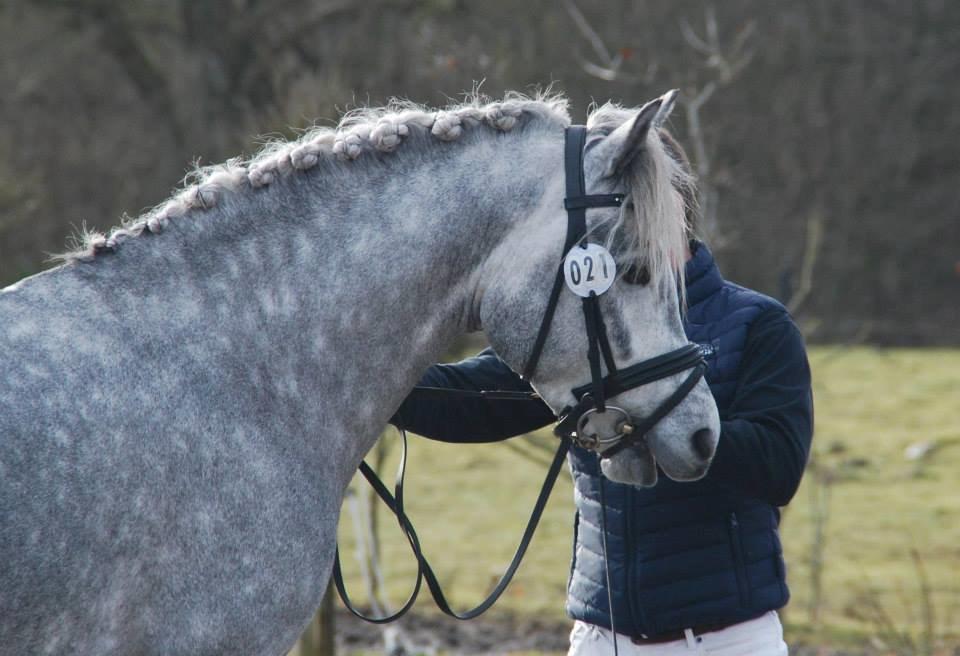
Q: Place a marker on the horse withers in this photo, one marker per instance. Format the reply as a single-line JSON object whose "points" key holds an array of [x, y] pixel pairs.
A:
{"points": [[185, 399]]}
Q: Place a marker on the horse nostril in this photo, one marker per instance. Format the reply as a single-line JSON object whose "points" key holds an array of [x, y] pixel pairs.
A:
{"points": [[703, 444]]}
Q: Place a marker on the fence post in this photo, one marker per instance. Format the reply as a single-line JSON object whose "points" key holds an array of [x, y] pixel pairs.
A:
{"points": [[317, 638]]}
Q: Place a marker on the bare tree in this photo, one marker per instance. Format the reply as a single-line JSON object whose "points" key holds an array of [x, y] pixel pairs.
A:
{"points": [[725, 62], [722, 61]]}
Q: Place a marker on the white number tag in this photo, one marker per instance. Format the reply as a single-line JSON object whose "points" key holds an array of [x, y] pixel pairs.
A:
{"points": [[589, 269]]}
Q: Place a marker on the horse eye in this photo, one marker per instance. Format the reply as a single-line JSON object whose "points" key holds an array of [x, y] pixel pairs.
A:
{"points": [[637, 275]]}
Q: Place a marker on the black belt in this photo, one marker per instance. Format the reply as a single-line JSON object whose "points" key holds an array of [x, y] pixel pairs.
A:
{"points": [[680, 634]]}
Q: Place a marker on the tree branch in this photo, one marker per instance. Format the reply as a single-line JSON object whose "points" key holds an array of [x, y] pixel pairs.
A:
{"points": [[727, 64], [588, 33], [811, 252]]}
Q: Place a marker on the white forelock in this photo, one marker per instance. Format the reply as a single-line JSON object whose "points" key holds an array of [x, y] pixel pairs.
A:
{"points": [[656, 207]]}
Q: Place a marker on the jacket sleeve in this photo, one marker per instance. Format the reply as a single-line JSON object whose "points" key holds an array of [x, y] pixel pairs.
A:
{"points": [[463, 419], [765, 435]]}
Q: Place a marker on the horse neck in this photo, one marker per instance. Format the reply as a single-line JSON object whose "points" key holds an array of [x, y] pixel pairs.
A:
{"points": [[341, 285], [414, 270]]}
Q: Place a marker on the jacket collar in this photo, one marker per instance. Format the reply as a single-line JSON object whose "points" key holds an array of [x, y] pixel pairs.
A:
{"points": [[703, 276]]}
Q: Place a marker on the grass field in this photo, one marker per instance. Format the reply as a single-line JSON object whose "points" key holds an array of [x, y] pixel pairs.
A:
{"points": [[890, 545]]}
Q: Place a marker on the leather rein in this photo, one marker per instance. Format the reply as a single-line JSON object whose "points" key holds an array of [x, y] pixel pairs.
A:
{"points": [[590, 398]]}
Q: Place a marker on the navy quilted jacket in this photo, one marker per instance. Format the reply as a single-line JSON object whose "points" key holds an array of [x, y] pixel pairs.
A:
{"points": [[680, 554]]}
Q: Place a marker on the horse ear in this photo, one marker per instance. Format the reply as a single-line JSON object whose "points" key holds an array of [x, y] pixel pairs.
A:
{"points": [[628, 140], [667, 102]]}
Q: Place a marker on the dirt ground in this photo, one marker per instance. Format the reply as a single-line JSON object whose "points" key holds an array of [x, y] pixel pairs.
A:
{"points": [[433, 634]]}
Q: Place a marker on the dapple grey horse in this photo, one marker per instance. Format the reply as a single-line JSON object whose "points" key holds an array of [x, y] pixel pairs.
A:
{"points": [[184, 400]]}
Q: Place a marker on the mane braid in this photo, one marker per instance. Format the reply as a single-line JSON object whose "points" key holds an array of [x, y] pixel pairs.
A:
{"points": [[361, 131]]}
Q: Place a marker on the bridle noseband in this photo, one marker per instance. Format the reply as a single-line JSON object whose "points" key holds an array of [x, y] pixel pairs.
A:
{"points": [[591, 398]]}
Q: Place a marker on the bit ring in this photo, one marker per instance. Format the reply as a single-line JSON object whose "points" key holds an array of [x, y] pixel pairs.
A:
{"points": [[593, 442]]}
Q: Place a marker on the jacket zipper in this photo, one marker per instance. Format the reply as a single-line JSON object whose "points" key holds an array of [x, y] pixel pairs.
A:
{"points": [[743, 584], [638, 618]]}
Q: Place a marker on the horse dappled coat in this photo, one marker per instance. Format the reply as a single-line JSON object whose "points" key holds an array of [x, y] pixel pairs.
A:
{"points": [[184, 401]]}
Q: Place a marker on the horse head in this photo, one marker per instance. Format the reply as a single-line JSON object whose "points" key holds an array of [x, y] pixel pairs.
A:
{"points": [[624, 156]]}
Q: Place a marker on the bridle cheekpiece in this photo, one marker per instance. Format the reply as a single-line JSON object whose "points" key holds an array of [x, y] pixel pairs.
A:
{"points": [[591, 398]]}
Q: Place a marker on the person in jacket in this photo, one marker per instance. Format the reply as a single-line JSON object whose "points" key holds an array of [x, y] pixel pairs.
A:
{"points": [[694, 567]]}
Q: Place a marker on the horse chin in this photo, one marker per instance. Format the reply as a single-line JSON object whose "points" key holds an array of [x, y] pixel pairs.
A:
{"points": [[634, 465], [683, 471], [687, 474]]}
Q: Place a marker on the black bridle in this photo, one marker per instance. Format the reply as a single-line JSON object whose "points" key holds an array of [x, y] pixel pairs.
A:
{"points": [[590, 399]]}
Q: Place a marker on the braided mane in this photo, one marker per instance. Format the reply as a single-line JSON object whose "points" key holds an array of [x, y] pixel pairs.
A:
{"points": [[654, 222], [365, 130]]}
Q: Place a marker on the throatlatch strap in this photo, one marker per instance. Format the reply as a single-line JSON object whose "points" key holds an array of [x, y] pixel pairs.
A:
{"points": [[531, 367], [574, 139]]}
